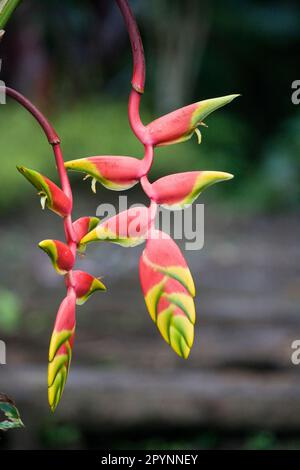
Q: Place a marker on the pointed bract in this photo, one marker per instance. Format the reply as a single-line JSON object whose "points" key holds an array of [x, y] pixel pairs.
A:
{"points": [[60, 254], [180, 125], [128, 229], [169, 289], [85, 285], [51, 195], [84, 225], [180, 190], [60, 351], [114, 172]]}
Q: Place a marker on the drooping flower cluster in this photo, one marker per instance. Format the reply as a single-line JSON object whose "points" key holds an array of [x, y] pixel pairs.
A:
{"points": [[166, 280], [79, 285]]}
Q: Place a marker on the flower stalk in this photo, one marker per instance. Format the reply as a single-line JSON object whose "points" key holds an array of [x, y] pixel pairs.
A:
{"points": [[79, 285], [165, 278], [166, 281], [139, 67]]}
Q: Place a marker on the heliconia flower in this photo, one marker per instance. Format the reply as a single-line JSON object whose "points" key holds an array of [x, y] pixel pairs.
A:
{"points": [[128, 229], [51, 194], [114, 172], [60, 254], [60, 351], [85, 285], [180, 125], [84, 225], [181, 189], [169, 289]]}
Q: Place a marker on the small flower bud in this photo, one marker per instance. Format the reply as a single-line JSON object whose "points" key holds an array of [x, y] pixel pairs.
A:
{"points": [[51, 195], [84, 225], [85, 285], [60, 254]]}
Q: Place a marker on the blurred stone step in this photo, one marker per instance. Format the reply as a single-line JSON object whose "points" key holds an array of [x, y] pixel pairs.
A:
{"points": [[119, 398], [218, 346]]}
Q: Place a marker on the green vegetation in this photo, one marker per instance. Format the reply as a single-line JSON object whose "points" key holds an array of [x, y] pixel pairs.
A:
{"points": [[10, 311]]}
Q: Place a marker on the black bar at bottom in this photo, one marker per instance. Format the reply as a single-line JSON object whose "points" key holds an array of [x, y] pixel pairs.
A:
{"points": [[134, 459]]}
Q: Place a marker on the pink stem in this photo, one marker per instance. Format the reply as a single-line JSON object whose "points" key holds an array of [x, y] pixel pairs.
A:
{"points": [[147, 187], [66, 187], [139, 73], [153, 210], [148, 159], [63, 175], [136, 124], [138, 83]]}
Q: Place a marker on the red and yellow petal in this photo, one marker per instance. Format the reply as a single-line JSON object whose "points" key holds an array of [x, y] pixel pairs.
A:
{"points": [[85, 285], [60, 254], [169, 289], [128, 229], [180, 125], [114, 172], [60, 351], [181, 189], [50, 193]]}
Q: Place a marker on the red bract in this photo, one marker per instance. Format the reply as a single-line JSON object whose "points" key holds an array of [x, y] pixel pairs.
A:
{"points": [[85, 285], [129, 228], [84, 225], [179, 126], [60, 351], [116, 173], [180, 190], [60, 254], [169, 289], [51, 195]]}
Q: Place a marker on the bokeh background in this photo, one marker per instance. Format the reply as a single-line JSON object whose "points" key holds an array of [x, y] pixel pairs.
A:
{"points": [[127, 389]]}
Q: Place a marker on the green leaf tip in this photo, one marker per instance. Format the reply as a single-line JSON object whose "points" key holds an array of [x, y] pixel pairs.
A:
{"points": [[208, 106], [7, 8]]}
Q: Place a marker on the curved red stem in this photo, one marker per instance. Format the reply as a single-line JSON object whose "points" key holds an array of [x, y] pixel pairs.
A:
{"points": [[147, 187], [138, 82], [139, 68], [136, 124], [54, 141], [40, 118], [63, 175]]}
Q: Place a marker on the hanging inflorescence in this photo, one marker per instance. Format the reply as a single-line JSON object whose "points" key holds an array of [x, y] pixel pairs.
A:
{"points": [[166, 280]]}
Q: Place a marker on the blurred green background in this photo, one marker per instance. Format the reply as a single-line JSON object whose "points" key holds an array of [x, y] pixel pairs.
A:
{"points": [[73, 59]]}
